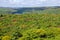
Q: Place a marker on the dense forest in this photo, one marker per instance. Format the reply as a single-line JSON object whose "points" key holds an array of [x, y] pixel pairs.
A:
{"points": [[30, 25]]}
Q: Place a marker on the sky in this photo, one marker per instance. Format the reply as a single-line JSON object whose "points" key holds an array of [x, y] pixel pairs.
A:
{"points": [[29, 3]]}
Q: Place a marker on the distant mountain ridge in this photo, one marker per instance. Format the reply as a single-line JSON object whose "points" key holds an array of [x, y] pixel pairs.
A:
{"points": [[25, 9]]}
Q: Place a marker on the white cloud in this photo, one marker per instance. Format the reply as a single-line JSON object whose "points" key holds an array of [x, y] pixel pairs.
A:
{"points": [[43, 0], [24, 3]]}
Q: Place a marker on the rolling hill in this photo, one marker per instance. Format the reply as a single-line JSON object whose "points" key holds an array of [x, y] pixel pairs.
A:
{"points": [[30, 23]]}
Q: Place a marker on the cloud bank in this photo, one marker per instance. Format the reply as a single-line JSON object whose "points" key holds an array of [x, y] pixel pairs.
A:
{"points": [[28, 3]]}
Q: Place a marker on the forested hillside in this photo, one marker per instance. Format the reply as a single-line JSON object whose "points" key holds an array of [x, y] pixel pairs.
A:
{"points": [[34, 25]]}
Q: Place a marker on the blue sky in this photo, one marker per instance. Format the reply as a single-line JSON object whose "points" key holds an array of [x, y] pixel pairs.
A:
{"points": [[29, 3]]}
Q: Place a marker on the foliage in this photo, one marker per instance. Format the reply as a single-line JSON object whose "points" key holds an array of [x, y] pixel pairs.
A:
{"points": [[30, 26]]}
